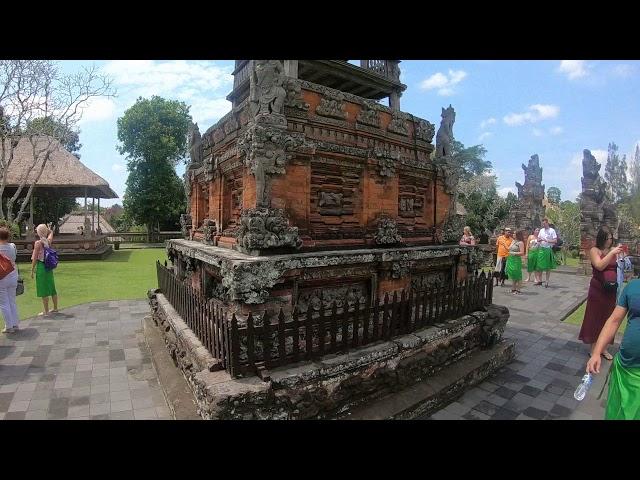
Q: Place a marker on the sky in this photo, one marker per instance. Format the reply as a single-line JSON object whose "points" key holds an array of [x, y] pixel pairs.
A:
{"points": [[515, 109]]}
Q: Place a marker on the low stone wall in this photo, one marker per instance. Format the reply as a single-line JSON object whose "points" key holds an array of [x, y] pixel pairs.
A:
{"points": [[334, 385]]}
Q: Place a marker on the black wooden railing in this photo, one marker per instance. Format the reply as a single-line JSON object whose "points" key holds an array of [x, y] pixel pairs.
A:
{"points": [[272, 340]]}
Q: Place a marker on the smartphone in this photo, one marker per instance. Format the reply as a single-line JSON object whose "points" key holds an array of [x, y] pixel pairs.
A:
{"points": [[625, 249]]}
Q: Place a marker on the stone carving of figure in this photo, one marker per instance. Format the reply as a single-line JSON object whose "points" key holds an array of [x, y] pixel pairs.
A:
{"points": [[444, 137], [195, 144], [267, 91]]}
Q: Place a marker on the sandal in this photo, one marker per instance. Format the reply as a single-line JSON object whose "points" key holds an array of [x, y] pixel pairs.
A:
{"points": [[546, 285], [43, 314], [607, 355]]}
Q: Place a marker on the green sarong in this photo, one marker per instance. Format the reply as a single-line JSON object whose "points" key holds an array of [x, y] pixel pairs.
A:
{"points": [[532, 259], [546, 260], [45, 285], [514, 267], [623, 402]]}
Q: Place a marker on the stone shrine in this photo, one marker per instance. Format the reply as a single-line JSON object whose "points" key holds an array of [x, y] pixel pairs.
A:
{"points": [[528, 213], [312, 197], [595, 210]]}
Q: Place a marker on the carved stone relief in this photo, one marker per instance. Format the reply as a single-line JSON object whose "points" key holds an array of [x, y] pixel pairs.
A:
{"points": [[332, 105], [398, 123], [345, 295], [387, 233], [369, 114], [264, 228]]}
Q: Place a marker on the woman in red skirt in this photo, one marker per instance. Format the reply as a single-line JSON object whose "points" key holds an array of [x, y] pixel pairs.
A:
{"points": [[601, 299]]}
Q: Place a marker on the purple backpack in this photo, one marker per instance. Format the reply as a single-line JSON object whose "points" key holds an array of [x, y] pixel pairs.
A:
{"points": [[50, 258]]}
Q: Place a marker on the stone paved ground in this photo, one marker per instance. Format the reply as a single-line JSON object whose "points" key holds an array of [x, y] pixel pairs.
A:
{"points": [[87, 362], [549, 363]]}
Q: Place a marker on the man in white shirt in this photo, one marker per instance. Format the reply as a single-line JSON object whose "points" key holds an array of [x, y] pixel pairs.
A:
{"points": [[547, 238]]}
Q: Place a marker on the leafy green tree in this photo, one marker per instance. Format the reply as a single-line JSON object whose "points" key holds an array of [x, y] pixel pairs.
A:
{"points": [[634, 173], [486, 209], [50, 208], [554, 195], [153, 136], [471, 159], [68, 137], [615, 174]]}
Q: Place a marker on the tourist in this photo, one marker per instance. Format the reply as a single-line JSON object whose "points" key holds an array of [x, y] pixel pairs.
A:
{"points": [[546, 261], [601, 298], [623, 401], [496, 271], [45, 284], [514, 262], [532, 254], [8, 284], [503, 243], [467, 237]]}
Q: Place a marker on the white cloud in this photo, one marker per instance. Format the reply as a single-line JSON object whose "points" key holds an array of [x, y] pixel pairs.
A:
{"points": [[118, 167], [556, 130], [98, 109], [487, 122], [535, 113], [505, 190], [443, 83], [574, 69], [484, 135], [537, 132], [201, 84], [624, 70]]}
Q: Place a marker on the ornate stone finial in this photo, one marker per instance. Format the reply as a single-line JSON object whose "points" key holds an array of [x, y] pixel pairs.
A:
{"points": [[387, 233], [425, 130], [444, 137], [267, 93]]}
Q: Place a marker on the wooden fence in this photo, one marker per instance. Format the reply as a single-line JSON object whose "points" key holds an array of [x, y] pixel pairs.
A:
{"points": [[270, 340]]}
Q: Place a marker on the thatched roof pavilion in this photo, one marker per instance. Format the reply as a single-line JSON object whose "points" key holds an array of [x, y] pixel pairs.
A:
{"points": [[63, 174]]}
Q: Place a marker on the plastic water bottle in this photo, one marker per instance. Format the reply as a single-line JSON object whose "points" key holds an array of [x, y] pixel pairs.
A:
{"points": [[583, 388]]}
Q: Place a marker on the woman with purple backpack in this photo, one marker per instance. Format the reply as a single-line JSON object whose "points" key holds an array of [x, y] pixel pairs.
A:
{"points": [[45, 284]]}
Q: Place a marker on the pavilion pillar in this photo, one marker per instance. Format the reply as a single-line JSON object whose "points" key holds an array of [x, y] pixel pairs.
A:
{"points": [[87, 225], [99, 230], [93, 217], [31, 234]]}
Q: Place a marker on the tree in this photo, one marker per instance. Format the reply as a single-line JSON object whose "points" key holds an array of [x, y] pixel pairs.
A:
{"points": [[554, 195], [153, 135], [40, 105], [68, 138], [485, 208], [471, 159], [634, 173], [566, 217], [49, 208], [615, 174]]}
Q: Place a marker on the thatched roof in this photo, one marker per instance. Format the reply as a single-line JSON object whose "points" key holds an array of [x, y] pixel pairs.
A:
{"points": [[72, 221], [63, 174]]}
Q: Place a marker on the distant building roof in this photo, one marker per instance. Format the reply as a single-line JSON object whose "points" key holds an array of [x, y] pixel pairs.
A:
{"points": [[72, 221], [63, 172]]}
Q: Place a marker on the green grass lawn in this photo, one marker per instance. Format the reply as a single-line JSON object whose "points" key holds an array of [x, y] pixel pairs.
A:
{"points": [[124, 275]]}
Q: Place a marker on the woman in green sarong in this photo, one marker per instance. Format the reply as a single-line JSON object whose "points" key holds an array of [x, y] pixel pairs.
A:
{"points": [[623, 402], [514, 262], [45, 283]]}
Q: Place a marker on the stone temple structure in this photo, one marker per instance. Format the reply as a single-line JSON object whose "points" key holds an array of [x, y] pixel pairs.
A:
{"points": [[529, 211], [312, 201], [595, 209]]}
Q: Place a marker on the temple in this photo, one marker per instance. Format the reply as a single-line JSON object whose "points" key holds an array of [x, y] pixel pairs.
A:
{"points": [[311, 198]]}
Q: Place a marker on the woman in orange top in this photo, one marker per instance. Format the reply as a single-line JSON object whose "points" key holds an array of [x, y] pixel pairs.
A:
{"points": [[503, 243]]}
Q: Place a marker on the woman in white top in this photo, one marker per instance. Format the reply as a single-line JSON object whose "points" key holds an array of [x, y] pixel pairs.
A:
{"points": [[8, 285]]}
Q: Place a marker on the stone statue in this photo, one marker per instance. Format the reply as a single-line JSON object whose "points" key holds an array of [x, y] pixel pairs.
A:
{"points": [[195, 145], [444, 137], [266, 88], [264, 228]]}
